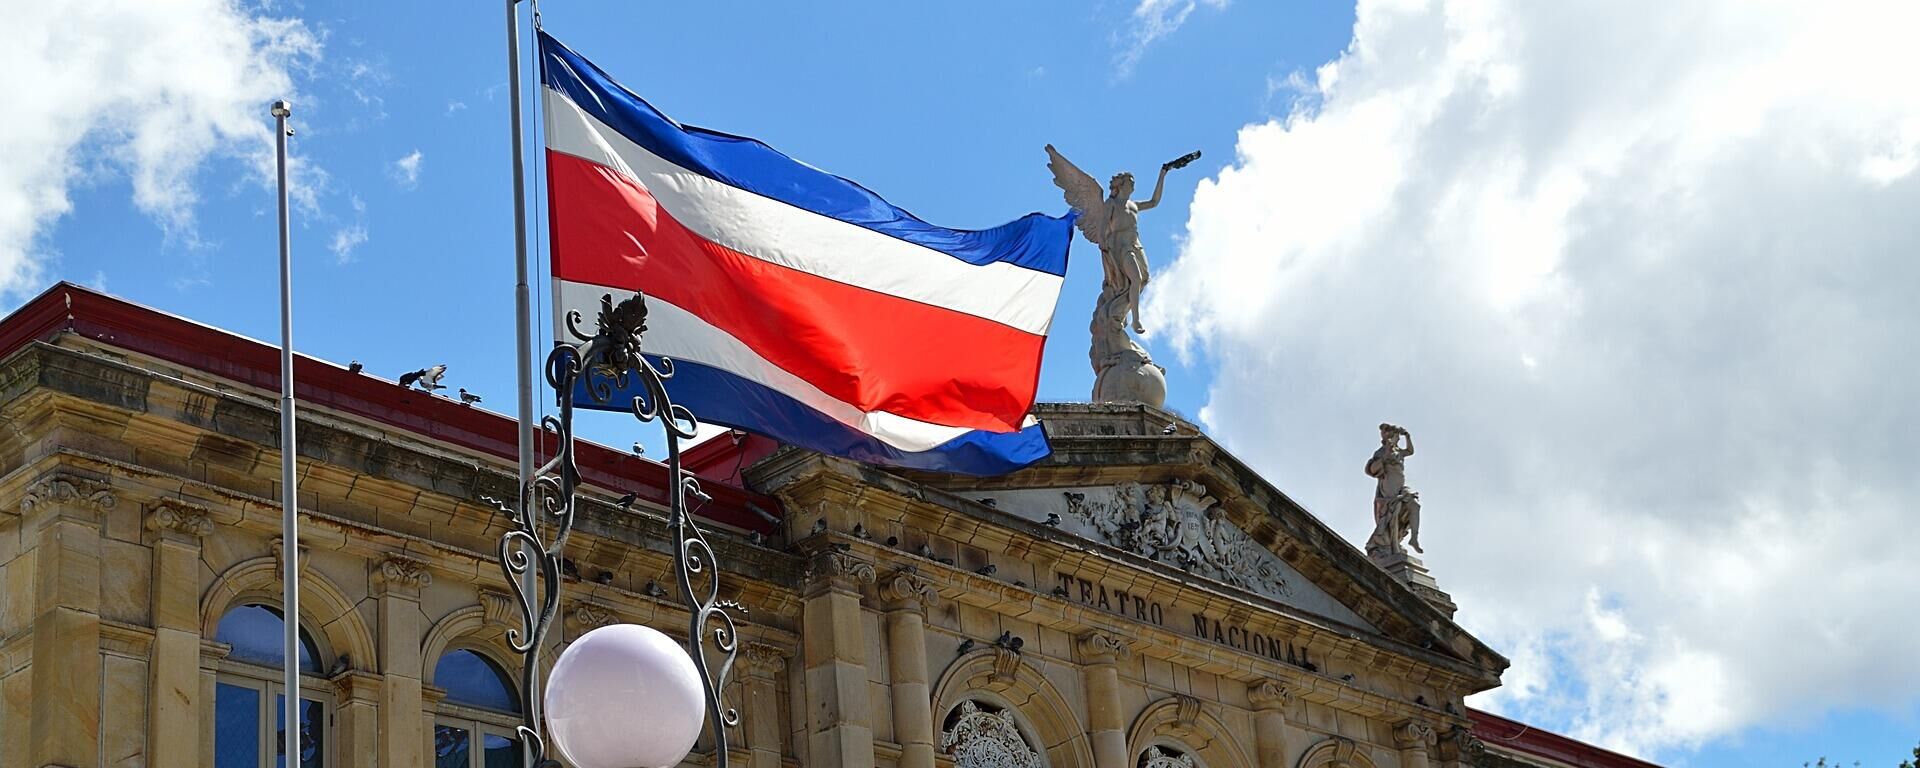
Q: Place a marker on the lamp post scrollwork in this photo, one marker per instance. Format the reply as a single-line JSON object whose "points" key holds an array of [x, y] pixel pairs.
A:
{"points": [[598, 366]]}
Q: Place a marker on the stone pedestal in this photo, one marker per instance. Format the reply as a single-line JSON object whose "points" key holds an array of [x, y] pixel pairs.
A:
{"points": [[1413, 573]]}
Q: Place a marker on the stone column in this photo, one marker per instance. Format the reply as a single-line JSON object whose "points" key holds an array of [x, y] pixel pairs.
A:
{"points": [[397, 582], [64, 512], [356, 725], [760, 717], [907, 597], [839, 723], [1100, 655], [1412, 738], [173, 711], [1271, 699]]}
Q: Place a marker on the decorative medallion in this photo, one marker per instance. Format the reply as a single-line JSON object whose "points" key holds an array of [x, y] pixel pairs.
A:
{"points": [[981, 738]]}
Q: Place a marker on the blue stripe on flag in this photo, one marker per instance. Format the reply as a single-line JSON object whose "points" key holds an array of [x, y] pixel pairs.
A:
{"points": [[718, 397], [1032, 241]]}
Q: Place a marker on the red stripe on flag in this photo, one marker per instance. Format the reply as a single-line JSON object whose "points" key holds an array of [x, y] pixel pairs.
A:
{"points": [[871, 350]]}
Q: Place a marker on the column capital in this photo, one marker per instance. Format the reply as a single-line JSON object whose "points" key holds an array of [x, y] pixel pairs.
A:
{"points": [[68, 488], [1270, 694], [1102, 647], [762, 661], [497, 607], [905, 589], [1460, 745], [398, 575], [179, 521], [838, 568], [1413, 734]]}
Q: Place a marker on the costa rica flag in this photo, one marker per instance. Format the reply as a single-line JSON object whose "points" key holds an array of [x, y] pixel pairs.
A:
{"points": [[795, 303]]}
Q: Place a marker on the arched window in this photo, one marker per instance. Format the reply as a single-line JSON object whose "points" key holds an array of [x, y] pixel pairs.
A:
{"points": [[475, 724], [248, 699], [979, 734]]}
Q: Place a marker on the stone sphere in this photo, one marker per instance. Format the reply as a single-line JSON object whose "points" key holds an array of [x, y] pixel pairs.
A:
{"points": [[1131, 383], [625, 696]]}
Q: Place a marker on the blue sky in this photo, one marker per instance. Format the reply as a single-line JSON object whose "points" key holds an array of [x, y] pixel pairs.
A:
{"points": [[404, 259]]}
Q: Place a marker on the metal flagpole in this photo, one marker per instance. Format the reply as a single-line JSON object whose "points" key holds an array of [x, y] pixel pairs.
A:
{"points": [[523, 332], [289, 494]]}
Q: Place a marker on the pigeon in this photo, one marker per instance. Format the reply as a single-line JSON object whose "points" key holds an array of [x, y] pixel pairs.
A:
{"points": [[1019, 583], [1169, 429], [990, 501], [569, 568], [925, 551], [1060, 592], [605, 577], [966, 645], [639, 449], [468, 398], [756, 538], [1347, 678], [355, 367], [986, 570], [427, 378], [653, 589], [627, 500], [893, 541], [820, 526], [860, 530], [1053, 519]]}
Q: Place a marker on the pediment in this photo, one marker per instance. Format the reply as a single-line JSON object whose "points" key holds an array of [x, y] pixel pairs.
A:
{"points": [[1142, 483], [1178, 523]]}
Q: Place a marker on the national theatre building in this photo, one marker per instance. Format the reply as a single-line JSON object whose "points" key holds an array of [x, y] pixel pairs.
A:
{"points": [[1141, 599]]}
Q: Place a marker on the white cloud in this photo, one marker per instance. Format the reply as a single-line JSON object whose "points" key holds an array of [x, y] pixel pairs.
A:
{"points": [[148, 90], [406, 170], [455, 105], [1642, 292], [345, 240], [1152, 20]]}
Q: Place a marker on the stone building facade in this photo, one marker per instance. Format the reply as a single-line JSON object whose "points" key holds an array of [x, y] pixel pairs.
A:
{"points": [[1140, 600]]}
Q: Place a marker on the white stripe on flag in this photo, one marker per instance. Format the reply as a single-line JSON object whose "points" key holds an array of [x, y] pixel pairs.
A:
{"points": [[782, 234]]}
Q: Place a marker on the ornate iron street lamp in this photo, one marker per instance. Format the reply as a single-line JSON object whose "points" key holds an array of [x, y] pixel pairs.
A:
{"points": [[656, 723]]}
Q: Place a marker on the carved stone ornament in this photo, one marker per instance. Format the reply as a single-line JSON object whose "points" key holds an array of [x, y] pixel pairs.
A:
{"points": [[497, 607], [168, 516], [1270, 694], [278, 545], [1103, 648], [906, 589], [74, 489], [1413, 734], [1186, 714], [1461, 745], [1180, 524], [764, 661], [586, 617], [401, 573], [841, 568], [1160, 757], [983, 739], [1006, 666]]}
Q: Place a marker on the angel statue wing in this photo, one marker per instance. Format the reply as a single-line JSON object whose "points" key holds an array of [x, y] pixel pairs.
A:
{"points": [[1082, 192]]}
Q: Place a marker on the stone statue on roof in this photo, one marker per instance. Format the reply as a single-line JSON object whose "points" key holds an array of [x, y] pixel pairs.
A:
{"points": [[1396, 508], [1111, 220]]}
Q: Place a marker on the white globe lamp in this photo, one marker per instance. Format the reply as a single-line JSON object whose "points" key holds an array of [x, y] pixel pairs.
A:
{"points": [[625, 696]]}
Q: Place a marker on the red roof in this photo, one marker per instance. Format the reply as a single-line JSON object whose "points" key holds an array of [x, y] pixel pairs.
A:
{"points": [[1514, 736], [66, 307]]}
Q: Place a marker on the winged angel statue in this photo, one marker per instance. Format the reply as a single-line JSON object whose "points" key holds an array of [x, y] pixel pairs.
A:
{"points": [[1122, 370]]}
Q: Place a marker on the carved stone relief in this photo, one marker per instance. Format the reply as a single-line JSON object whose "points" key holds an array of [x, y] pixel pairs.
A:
{"points": [[1179, 524], [981, 738]]}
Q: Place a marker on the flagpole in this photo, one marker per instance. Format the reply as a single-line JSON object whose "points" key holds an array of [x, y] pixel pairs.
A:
{"points": [[289, 492], [523, 332]]}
